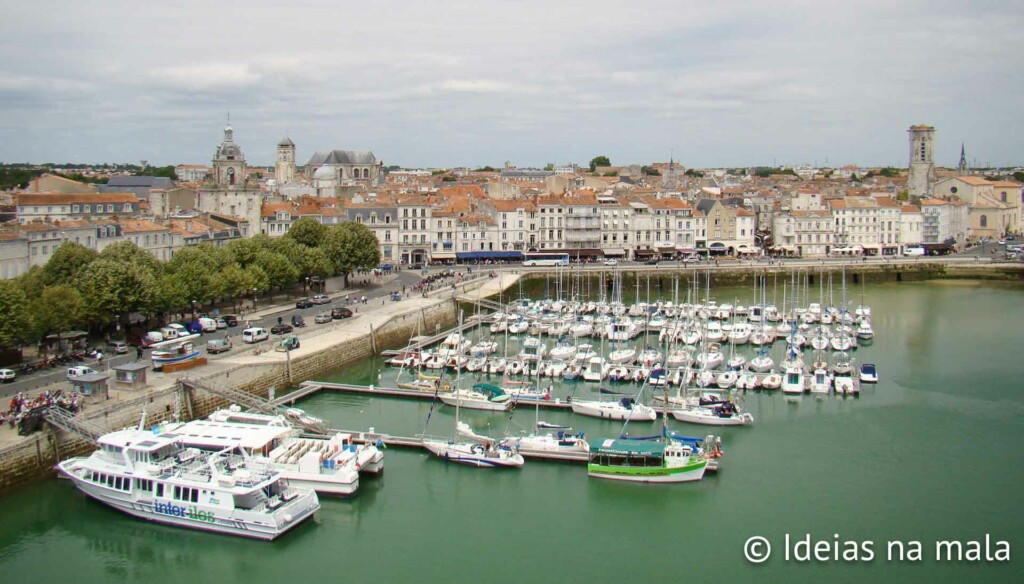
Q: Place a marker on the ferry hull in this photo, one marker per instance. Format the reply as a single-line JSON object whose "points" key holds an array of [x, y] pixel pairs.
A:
{"points": [[683, 474], [300, 509]]}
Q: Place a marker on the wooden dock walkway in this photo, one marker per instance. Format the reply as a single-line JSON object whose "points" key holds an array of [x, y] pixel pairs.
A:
{"points": [[417, 442], [308, 388]]}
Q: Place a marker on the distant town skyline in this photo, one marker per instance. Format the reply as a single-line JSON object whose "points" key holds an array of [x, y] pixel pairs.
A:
{"points": [[479, 83]]}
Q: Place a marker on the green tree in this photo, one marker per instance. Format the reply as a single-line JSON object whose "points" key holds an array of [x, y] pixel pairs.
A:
{"points": [[694, 173], [351, 246], [599, 161], [59, 308], [611, 173], [648, 171], [127, 252], [313, 261], [1019, 176], [15, 326], [889, 172], [244, 250], [485, 169], [854, 178], [111, 288], [549, 167], [307, 231], [32, 282], [258, 278], [169, 295], [234, 282], [279, 270], [69, 258]]}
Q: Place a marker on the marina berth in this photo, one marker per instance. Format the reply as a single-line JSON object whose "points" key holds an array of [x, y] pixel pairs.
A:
{"points": [[153, 476]]}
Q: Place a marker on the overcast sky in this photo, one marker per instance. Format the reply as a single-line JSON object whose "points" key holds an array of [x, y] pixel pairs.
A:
{"points": [[457, 83]]}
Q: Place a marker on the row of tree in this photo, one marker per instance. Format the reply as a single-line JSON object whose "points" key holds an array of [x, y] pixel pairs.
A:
{"points": [[80, 288]]}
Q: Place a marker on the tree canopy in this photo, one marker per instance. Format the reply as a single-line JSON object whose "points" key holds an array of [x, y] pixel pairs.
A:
{"points": [[307, 231], [69, 258], [351, 246], [15, 325], [599, 161]]}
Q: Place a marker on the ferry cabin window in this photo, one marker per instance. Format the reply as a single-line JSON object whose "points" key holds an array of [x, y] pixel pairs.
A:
{"points": [[159, 489]]}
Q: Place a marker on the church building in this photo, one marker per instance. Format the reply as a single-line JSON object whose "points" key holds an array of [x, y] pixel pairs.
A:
{"points": [[227, 190]]}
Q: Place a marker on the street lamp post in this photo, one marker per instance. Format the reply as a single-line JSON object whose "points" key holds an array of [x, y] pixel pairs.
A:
{"points": [[254, 290], [193, 311], [305, 286]]}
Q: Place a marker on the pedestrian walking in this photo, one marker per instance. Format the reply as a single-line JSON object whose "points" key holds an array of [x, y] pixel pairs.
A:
{"points": [[138, 353]]}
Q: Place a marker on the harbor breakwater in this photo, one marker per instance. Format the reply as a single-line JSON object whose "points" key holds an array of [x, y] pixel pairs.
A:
{"points": [[34, 457]]}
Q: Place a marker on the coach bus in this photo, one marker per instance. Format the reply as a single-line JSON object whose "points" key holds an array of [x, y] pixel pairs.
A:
{"points": [[545, 259]]}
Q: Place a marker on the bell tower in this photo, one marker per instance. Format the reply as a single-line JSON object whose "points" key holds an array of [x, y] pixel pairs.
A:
{"points": [[284, 172], [922, 168], [228, 162]]}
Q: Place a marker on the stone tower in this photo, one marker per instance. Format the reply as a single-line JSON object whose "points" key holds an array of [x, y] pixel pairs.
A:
{"points": [[962, 166], [285, 169], [228, 162], [922, 168]]}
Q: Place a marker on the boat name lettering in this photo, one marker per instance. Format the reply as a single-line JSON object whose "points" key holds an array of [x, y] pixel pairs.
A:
{"points": [[188, 512]]}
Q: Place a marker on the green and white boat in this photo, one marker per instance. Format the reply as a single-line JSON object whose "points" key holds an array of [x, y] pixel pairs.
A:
{"points": [[645, 461]]}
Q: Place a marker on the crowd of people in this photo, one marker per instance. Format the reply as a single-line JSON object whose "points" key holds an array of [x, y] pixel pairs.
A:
{"points": [[21, 404]]}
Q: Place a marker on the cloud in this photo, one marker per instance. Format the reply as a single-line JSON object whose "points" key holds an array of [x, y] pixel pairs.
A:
{"points": [[532, 82]]}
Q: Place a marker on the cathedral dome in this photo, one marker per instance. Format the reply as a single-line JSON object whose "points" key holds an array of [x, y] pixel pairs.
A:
{"points": [[324, 173]]}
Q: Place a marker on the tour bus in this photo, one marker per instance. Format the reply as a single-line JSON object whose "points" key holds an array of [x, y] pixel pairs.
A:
{"points": [[545, 259]]}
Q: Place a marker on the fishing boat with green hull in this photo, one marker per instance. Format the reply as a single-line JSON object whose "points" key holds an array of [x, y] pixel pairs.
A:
{"points": [[644, 461]]}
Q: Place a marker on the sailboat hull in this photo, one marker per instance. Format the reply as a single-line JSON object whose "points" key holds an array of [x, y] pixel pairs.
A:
{"points": [[473, 455]]}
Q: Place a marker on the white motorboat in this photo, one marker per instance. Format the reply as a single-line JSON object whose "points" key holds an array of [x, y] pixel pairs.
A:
{"points": [[515, 368], [679, 358], [793, 381], [619, 373], [714, 332], [740, 333], [726, 379], [483, 396], [483, 348], [496, 365], [476, 364], [573, 370], [518, 327], [436, 361], [868, 373], [563, 352], [154, 477], [554, 368], [736, 362], [584, 352], [596, 369], [560, 444], [533, 349], [820, 381], [649, 357], [771, 381], [624, 409], [747, 380], [718, 414]]}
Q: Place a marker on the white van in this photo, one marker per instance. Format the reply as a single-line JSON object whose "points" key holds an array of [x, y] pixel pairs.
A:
{"points": [[78, 371], [152, 337], [180, 328], [255, 335], [209, 324], [168, 333], [913, 251]]}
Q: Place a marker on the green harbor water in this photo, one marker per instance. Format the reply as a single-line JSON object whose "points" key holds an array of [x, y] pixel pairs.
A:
{"points": [[933, 452]]}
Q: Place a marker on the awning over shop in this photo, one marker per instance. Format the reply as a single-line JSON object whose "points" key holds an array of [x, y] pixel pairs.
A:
{"points": [[488, 255], [747, 249], [442, 255], [686, 250], [717, 246], [614, 251], [644, 252]]}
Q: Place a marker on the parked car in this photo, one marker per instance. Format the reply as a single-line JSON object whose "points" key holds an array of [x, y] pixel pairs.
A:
{"points": [[304, 303], [194, 327], [230, 320], [341, 312], [79, 371], [321, 299], [215, 346], [652, 262], [280, 329], [255, 335], [298, 321], [611, 262], [6, 376], [119, 347], [417, 266], [323, 317], [222, 323]]}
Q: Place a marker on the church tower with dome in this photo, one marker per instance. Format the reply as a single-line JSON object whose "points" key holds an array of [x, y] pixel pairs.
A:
{"points": [[227, 190]]}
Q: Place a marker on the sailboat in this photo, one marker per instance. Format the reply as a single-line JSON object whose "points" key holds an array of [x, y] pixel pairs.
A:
{"points": [[487, 454]]}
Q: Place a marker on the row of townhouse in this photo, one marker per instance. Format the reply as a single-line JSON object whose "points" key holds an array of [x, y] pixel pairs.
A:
{"points": [[23, 246], [875, 225]]}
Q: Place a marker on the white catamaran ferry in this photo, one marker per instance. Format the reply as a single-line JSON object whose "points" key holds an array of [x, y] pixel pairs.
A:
{"points": [[155, 477]]}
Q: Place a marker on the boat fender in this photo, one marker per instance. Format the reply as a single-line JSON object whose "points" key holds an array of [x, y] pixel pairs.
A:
{"points": [[287, 518], [579, 443]]}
